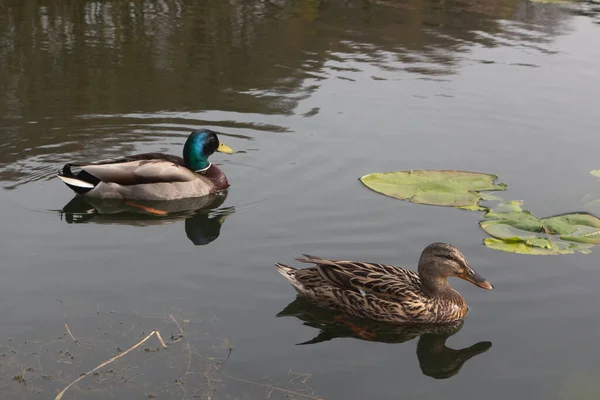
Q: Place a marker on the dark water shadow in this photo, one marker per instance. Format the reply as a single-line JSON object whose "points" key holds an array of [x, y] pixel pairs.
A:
{"points": [[435, 358], [202, 215]]}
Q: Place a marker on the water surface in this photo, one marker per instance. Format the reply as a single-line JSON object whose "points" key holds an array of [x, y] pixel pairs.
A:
{"points": [[311, 95]]}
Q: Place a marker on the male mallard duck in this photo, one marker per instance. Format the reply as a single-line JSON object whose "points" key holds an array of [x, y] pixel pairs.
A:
{"points": [[387, 293], [153, 176]]}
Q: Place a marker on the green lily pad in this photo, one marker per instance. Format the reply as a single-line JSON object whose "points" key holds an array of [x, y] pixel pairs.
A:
{"points": [[520, 247], [509, 206], [590, 238], [502, 229], [539, 242], [460, 189], [567, 224], [518, 231], [489, 197]]}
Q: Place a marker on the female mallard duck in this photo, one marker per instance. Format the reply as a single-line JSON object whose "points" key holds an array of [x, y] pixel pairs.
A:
{"points": [[153, 176], [387, 293]]}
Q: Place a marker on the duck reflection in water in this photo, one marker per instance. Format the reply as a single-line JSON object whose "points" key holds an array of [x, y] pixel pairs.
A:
{"points": [[435, 358], [202, 215]]}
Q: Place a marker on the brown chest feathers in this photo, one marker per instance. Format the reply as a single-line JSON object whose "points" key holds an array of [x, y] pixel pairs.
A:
{"points": [[216, 177]]}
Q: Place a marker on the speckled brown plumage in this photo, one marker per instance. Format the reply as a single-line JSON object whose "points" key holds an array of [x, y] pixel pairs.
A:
{"points": [[387, 293]]}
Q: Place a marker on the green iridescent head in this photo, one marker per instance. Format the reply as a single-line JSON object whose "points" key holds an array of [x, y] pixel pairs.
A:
{"points": [[199, 146]]}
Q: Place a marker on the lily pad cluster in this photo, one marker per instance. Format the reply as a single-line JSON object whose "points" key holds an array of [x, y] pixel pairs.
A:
{"points": [[518, 231], [512, 229]]}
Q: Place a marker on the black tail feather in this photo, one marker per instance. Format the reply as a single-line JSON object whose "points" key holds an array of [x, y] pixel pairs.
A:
{"points": [[82, 175], [66, 171], [86, 176]]}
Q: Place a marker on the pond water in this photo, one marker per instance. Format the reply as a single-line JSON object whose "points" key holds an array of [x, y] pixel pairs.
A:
{"points": [[312, 95]]}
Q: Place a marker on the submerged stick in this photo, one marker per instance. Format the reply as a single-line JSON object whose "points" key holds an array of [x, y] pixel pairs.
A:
{"points": [[154, 332], [273, 387], [70, 334], [176, 323], [160, 339]]}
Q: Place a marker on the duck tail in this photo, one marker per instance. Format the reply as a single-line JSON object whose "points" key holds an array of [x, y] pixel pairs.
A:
{"points": [[289, 273], [285, 270], [81, 182]]}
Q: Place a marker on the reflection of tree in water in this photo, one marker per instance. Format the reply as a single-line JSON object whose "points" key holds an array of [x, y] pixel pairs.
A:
{"points": [[589, 8], [63, 59], [202, 215], [435, 358], [107, 57]]}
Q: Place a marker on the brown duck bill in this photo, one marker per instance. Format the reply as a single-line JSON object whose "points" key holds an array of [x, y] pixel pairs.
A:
{"points": [[476, 280]]}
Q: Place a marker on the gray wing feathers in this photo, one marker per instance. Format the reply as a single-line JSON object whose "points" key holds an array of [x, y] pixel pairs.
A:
{"points": [[139, 172]]}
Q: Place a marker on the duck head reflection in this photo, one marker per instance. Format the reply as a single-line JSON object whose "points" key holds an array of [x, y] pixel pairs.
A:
{"points": [[202, 215], [435, 358]]}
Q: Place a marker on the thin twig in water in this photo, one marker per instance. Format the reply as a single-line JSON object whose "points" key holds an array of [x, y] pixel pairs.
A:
{"points": [[299, 375], [178, 383], [130, 329], [273, 387], [70, 334], [189, 349], [60, 395], [176, 323], [160, 339], [230, 348], [210, 386]]}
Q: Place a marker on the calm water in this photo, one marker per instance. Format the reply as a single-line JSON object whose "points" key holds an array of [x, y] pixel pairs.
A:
{"points": [[312, 95]]}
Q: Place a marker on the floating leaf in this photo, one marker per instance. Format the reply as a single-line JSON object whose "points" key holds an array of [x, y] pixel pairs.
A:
{"points": [[489, 197], [521, 247], [590, 238], [571, 223], [502, 230], [539, 242], [518, 231], [509, 206], [595, 172], [435, 187], [511, 214]]}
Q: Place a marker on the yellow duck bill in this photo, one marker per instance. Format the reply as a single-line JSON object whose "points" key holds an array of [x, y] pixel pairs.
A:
{"points": [[223, 148]]}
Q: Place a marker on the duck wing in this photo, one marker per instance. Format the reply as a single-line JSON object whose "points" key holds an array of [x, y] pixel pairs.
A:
{"points": [[381, 280], [132, 170]]}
